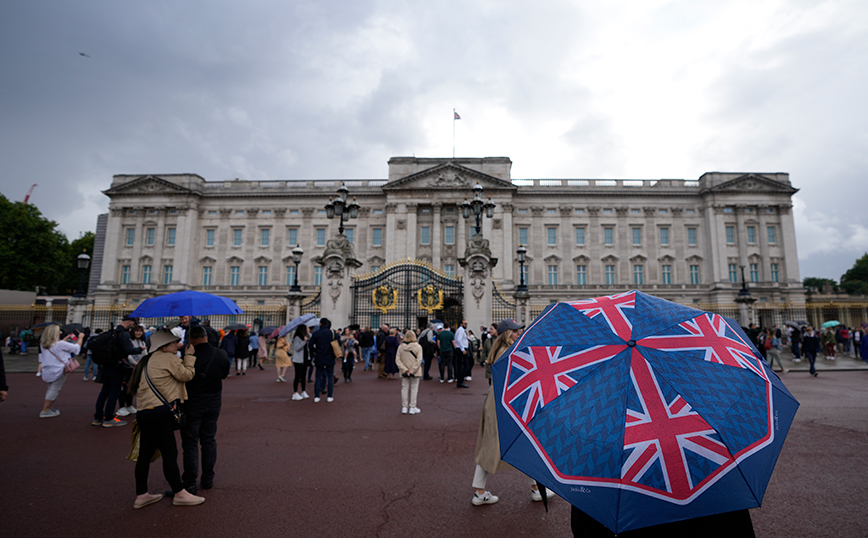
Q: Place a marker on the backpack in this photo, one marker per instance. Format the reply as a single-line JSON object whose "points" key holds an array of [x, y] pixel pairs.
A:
{"points": [[102, 347], [426, 345], [768, 344]]}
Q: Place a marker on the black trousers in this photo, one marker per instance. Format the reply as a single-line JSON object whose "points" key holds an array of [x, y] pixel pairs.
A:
{"points": [[445, 364], [108, 396], [200, 429], [157, 432], [299, 376], [427, 367], [460, 365]]}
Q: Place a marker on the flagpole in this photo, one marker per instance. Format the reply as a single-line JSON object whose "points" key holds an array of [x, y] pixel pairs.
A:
{"points": [[453, 133]]}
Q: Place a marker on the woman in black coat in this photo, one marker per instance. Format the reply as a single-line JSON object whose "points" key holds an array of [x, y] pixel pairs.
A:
{"points": [[242, 352], [390, 367]]}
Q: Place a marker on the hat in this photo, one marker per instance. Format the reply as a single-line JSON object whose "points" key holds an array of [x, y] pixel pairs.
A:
{"points": [[510, 324], [162, 337]]}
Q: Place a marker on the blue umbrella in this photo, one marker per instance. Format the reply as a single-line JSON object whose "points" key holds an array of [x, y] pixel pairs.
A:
{"points": [[186, 303], [830, 323], [300, 320], [640, 411]]}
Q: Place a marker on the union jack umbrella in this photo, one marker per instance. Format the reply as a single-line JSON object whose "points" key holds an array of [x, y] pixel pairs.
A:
{"points": [[640, 411]]}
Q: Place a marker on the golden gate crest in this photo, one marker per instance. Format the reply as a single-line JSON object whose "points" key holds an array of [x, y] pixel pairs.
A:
{"points": [[385, 298], [430, 298]]}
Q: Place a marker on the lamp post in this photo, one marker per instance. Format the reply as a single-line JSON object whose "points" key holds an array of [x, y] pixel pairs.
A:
{"points": [[297, 252], [83, 264], [477, 206], [522, 257], [338, 207]]}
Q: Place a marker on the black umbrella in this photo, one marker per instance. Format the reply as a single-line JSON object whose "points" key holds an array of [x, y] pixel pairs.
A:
{"points": [[265, 331], [236, 327], [70, 328]]}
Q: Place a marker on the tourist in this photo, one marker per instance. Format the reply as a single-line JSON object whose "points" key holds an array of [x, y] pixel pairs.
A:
{"points": [[409, 362], [390, 368], [323, 359], [54, 355], [125, 399], [300, 362], [445, 337]]}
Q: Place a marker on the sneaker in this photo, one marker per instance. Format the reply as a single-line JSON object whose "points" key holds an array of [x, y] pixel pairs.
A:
{"points": [[450, 380], [316, 400], [146, 499], [441, 380], [114, 422], [468, 378], [122, 412], [404, 410], [96, 423], [297, 397], [797, 360], [38, 374], [49, 414], [280, 380], [330, 399], [132, 410], [85, 378], [536, 496], [415, 410], [304, 394], [485, 498]]}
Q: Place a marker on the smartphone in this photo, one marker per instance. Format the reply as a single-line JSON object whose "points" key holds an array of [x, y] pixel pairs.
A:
{"points": [[73, 338]]}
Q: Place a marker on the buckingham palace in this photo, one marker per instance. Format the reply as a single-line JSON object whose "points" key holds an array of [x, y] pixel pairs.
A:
{"points": [[691, 241]]}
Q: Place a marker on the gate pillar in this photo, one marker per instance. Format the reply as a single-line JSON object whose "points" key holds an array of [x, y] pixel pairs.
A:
{"points": [[338, 262], [477, 263], [293, 305], [522, 307]]}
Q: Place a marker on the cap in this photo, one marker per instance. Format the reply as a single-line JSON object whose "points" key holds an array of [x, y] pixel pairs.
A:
{"points": [[510, 324]]}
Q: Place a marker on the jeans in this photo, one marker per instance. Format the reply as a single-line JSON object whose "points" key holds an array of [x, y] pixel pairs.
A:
{"points": [[445, 363], [324, 375], [157, 432], [200, 429], [90, 365], [366, 356], [23, 347], [812, 356], [796, 354], [108, 396]]}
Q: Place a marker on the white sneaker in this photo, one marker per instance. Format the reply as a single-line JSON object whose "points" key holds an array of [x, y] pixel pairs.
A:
{"points": [[485, 498], [122, 412], [297, 397], [38, 374], [304, 394], [330, 399], [132, 410], [536, 496], [404, 410], [441, 380], [415, 410], [450, 380], [468, 378], [316, 400]]}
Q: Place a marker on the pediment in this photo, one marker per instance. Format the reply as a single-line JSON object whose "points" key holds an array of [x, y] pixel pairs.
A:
{"points": [[611, 258], [753, 183], [581, 258], [234, 259], [694, 259], [149, 184], [666, 258], [146, 259], [376, 260], [638, 259], [448, 176], [207, 260], [552, 259], [262, 259]]}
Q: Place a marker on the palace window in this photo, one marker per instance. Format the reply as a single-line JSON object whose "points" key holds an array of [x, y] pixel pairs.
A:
{"points": [[691, 237], [236, 237], [350, 233], [551, 236], [667, 274], [580, 236], [167, 274], [730, 235], [377, 237], [131, 236], [264, 237], [694, 274], [775, 273], [754, 272], [149, 236], [293, 236], [234, 275], [146, 274], [320, 237], [425, 235], [637, 236], [733, 272], [263, 275], [664, 237], [125, 274], [751, 235], [209, 238], [638, 274], [206, 276], [317, 275], [773, 236], [581, 275], [290, 275], [449, 269], [522, 236], [553, 275], [610, 274], [449, 235], [170, 237], [608, 236]]}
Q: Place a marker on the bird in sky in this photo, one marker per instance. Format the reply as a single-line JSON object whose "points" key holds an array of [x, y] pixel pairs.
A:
{"points": [[83, 54]]}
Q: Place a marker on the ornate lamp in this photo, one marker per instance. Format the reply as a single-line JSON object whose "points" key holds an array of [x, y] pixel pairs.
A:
{"points": [[297, 253], [338, 207], [477, 207], [522, 258], [83, 264]]}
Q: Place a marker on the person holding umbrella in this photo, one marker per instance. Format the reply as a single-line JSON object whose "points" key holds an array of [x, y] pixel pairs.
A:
{"points": [[487, 454], [300, 361], [281, 359]]}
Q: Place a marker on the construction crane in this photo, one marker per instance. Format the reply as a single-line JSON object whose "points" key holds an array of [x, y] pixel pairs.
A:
{"points": [[27, 196]]}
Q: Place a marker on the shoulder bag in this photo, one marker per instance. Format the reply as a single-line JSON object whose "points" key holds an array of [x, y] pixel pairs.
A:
{"points": [[174, 407], [336, 346], [68, 367]]}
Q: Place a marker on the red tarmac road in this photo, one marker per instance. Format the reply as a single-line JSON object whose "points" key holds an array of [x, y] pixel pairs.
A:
{"points": [[357, 467]]}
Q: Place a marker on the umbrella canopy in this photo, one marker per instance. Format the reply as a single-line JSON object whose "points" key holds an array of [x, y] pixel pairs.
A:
{"points": [[266, 331], [830, 323], [236, 327], [72, 328], [639, 411], [795, 324], [186, 303], [300, 320]]}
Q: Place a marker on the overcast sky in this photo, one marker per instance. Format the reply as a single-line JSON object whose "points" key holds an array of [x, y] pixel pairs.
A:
{"points": [[324, 89]]}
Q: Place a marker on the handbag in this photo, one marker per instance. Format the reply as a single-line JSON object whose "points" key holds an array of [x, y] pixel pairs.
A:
{"points": [[68, 367], [174, 407], [336, 347], [136, 444]]}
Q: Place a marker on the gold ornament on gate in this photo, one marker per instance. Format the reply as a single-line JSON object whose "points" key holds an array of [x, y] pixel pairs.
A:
{"points": [[385, 298], [430, 298]]}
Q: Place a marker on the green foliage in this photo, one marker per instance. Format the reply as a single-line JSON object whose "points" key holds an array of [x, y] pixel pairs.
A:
{"points": [[33, 253], [855, 280], [817, 284]]}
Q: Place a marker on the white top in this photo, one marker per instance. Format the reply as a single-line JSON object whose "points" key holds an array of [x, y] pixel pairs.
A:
{"points": [[461, 339], [55, 358]]}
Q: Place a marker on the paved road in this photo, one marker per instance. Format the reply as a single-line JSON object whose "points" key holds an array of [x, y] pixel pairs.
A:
{"points": [[357, 467]]}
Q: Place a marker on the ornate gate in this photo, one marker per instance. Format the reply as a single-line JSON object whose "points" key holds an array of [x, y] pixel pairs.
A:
{"points": [[407, 294]]}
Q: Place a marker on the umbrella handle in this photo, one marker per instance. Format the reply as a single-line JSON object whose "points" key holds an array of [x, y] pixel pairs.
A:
{"points": [[544, 493]]}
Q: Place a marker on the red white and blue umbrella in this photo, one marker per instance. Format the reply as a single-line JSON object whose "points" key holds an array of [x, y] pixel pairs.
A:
{"points": [[640, 411]]}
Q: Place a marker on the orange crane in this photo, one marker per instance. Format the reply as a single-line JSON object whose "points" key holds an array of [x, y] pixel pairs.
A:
{"points": [[27, 196]]}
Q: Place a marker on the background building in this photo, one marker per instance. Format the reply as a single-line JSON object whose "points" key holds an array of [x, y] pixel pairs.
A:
{"points": [[683, 240]]}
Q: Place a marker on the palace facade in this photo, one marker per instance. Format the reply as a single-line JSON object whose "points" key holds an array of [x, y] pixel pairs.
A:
{"points": [[684, 240]]}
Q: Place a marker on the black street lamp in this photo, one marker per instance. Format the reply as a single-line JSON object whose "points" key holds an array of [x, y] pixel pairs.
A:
{"points": [[744, 292], [522, 258], [83, 264], [338, 207], [477, 206], [297, 252]]}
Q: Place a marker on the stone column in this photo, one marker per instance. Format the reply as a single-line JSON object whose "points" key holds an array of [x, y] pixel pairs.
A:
{"points": [[477, 263], [338, 262], [522, 308], [765, 257], [293, 304], [76, 309], [412, 210], [508, 247], [437, 239]]}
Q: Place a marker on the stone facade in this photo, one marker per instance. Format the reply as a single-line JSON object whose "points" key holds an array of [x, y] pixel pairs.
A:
{"points": [[684, 240]]}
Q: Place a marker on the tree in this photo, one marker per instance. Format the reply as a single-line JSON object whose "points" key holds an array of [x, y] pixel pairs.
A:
{"points": [[855, 281], [32, 251], [817, 284], [83, 244]]}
